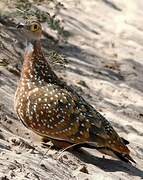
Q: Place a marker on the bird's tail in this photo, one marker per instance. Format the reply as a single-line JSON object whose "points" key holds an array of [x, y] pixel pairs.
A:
{"points": [[117, 150], [124, 157]]}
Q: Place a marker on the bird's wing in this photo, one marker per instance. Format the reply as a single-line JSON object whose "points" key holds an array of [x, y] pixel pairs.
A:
{"points": [[60, 113]]}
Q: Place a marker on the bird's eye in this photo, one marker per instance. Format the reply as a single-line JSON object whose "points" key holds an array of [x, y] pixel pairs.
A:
{"points": [[34, 27]]}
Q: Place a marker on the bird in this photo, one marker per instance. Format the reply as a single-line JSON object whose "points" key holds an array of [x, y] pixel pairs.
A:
{"points": [[49, 107]]}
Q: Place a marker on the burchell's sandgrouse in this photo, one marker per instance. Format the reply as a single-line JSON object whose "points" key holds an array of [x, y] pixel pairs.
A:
{"points": [[50, 108]]}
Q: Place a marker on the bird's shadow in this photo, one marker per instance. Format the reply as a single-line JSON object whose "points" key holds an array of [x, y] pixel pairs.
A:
{"points": [[108, 165]]}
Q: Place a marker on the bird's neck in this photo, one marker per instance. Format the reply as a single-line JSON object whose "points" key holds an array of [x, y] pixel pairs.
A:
{"points": [[35, 66]]}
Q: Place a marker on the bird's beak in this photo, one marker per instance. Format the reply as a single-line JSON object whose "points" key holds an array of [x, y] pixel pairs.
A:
{"points": [[20, 26]]}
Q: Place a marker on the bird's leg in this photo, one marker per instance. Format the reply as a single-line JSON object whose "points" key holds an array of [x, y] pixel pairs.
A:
{"points": [[45, 154], [59, 153]]}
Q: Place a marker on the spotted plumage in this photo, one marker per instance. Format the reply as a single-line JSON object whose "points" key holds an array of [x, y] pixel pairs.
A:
{"points": [[50, 108]]}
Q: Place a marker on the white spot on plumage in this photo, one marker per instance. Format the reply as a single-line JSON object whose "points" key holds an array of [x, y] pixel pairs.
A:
{"points": [[82, 125], [56, 95], [31, 76], [39, 99], [45, 99], [51, 98]]}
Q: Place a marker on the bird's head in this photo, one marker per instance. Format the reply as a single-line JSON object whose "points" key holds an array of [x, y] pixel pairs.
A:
{"points": [[31, 29]]}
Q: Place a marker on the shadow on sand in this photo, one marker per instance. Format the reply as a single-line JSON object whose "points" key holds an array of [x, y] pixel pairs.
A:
{"points": [[108, 165]]}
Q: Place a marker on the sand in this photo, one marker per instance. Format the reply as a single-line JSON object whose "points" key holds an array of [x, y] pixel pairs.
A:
{"points": [[104, 52]]}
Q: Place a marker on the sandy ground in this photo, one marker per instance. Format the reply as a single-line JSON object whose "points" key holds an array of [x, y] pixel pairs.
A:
{"points": [[105, 52]]}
